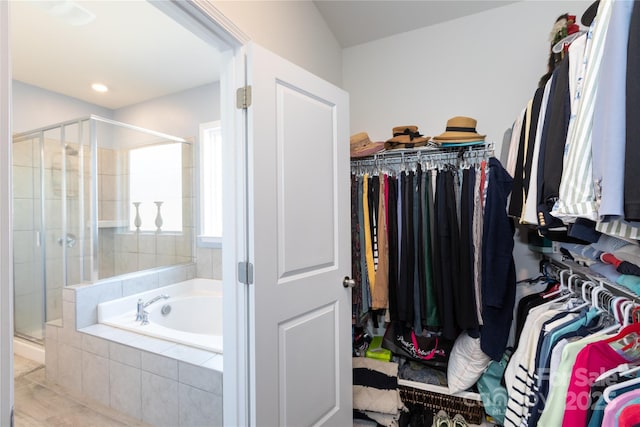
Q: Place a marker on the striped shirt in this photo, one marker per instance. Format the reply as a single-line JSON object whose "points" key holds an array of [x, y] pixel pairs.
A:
{"points": [[519, 374], [577, 195]]}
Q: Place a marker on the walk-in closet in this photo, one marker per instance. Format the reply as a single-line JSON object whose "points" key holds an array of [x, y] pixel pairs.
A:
{"points": [[497, 280]]}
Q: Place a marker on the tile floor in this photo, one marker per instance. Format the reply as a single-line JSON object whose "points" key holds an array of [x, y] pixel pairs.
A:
{"points": [[39, 404]]}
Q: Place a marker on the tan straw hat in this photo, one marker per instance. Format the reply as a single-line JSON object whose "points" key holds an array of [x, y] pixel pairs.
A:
{"points": [[362, 146], [460, 129], [406, 137]]}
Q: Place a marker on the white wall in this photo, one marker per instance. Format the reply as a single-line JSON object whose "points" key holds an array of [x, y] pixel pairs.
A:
{"points": [[294, 30], [485, 66], [177, 114], [34, 107]]}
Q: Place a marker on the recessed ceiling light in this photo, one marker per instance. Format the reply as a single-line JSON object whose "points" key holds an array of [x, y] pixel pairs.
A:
{"points": [[99, 87]]}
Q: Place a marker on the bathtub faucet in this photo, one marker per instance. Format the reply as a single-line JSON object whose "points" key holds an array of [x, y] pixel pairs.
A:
{"points": [[141, 313]]}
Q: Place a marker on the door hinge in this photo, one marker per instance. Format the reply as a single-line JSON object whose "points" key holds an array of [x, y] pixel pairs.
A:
{"points": [[245, 272], [243, 97]]}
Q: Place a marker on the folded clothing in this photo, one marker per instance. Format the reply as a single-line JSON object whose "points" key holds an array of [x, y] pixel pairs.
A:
{"points": [[584, 251], [416, 371], [607, 243], [606, 270], [610, 259], [375, 386], [626, 267], [630, 282], [630, 253]]}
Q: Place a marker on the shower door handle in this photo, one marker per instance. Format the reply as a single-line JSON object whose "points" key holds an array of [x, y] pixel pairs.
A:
{"points": [[69, 240]]}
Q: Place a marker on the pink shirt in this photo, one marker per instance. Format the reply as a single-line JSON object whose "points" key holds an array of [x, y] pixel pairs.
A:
{"points": [[592, 360]]}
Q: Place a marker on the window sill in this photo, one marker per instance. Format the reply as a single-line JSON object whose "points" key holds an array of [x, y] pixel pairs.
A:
{"points": [[209, 242]]}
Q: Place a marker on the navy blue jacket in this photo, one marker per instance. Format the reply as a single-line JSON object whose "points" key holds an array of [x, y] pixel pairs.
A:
{"points": [[498, 268]]}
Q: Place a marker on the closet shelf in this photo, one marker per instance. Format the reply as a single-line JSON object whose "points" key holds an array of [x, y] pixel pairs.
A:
{"points": [[442, 154], [561, 261], [439, 389]]}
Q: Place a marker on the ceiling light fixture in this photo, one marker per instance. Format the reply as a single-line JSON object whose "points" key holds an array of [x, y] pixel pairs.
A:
{"points": [[99, 87], [67, 10]]}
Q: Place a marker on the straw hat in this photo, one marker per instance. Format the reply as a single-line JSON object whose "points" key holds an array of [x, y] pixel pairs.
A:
{"points": [[406, 137], [362, 146], [460, 129]]}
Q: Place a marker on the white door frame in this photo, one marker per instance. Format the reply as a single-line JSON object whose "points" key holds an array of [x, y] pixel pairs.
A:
{"points": [[201, 17], [6, 255]]}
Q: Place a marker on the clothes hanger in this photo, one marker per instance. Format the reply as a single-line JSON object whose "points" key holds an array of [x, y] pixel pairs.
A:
{"points": [[575, 296], [617, 326], [595, 297], [586, 300], [562, 288], [627, 313], [618, 369], [607, 391], [559, 46], [627, 341]]}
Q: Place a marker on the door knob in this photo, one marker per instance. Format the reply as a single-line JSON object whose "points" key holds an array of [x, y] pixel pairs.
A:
{"points": [[347, 282]]}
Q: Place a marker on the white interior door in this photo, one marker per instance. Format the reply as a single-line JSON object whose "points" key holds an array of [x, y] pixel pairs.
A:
{"points": [[299, 244]]}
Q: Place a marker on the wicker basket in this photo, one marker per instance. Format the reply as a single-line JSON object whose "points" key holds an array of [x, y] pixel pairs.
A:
{"points": [[471, 410]]}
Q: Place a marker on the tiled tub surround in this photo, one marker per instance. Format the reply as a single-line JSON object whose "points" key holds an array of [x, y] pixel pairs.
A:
{"points": [[188, 312], [159, 382]]}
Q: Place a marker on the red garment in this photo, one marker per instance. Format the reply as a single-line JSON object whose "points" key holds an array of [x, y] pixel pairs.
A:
{"points": [[629, 416], [483, 177], [610, 259]]}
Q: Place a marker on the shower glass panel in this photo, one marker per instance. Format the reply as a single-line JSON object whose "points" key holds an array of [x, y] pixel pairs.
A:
{"points": [[74, 220], [28, 258]]}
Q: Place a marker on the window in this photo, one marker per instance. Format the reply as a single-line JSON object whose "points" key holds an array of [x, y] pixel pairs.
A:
{"points": [[155, 185], [210, 184]]}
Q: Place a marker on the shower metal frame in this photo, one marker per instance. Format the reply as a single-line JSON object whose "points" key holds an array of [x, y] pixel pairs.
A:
{"points": [[93, 208]]}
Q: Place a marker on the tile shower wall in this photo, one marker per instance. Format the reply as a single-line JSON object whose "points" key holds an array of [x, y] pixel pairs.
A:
{"points": [[209, 263], [158, 382]]}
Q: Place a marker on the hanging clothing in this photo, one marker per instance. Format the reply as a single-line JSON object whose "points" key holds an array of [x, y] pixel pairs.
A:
{"points": [[465, 301], [392, 242], [356, 292], [552, 143], [421, 237], [407, 256], [447, 253], [380, 294], [529, 214], [609, 120], [577, 198], [498, 267], [632, 151], [431, 308]]}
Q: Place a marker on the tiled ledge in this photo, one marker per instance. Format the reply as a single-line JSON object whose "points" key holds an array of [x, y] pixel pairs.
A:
{"points": [[179, 352]]}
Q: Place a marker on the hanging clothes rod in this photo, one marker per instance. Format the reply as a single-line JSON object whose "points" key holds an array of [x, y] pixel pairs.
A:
{"points": [[557, 264], [593, 289], [408, 156]]}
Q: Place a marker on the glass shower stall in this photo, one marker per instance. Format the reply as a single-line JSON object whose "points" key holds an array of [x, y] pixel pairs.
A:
{"points": [[94, 198]]}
